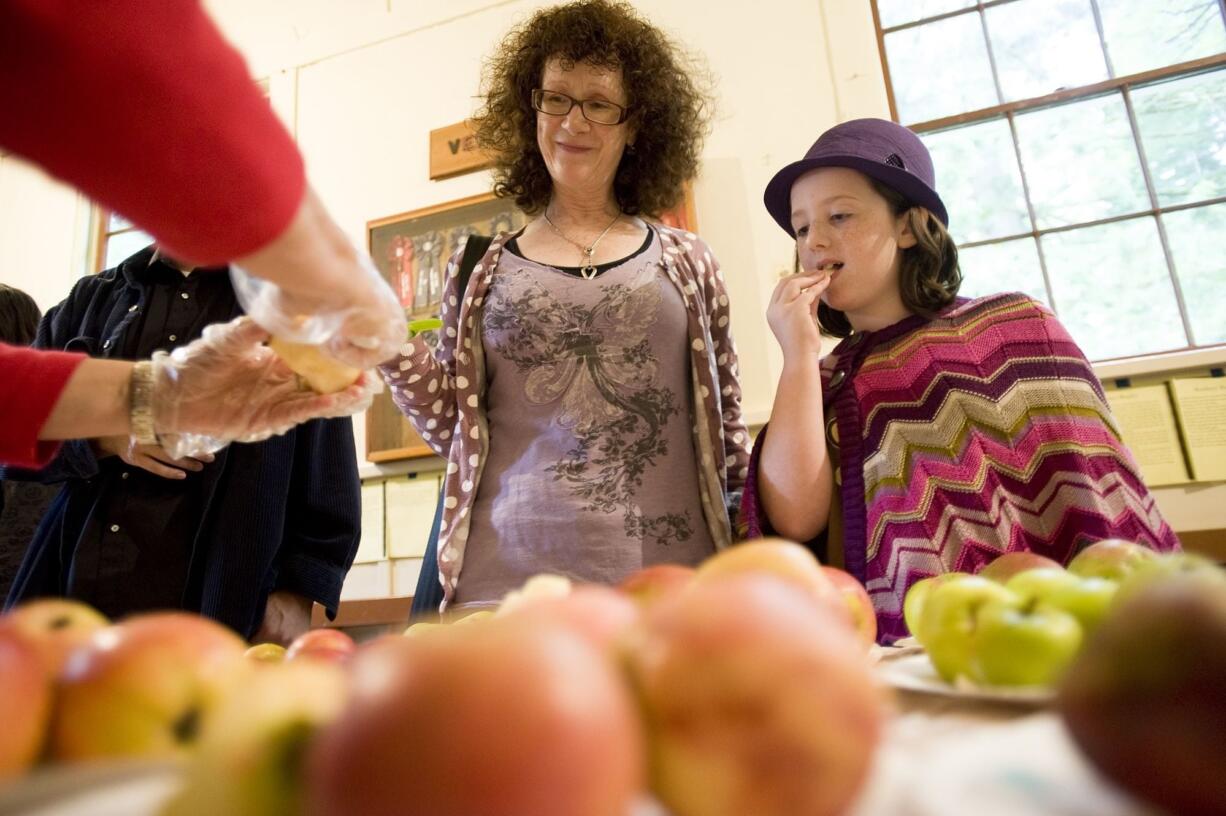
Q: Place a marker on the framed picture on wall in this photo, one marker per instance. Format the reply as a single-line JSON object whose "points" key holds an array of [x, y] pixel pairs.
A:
{"points": [[411, 250]]}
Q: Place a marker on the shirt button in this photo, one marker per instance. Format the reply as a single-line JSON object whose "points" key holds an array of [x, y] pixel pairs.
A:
{"points": [[107, 344], [837, 378], [133, 308], [184, 295], [114, 528], [124, 475], [173, 338]]}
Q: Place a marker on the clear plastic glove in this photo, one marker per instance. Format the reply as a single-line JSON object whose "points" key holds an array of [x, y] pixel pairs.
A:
{"points": [[228, 386]]}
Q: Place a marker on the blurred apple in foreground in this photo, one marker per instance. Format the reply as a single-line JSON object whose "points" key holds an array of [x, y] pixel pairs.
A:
{"points": [[54, 627], [1171, 565], [1144, 700], [598, 614], [859, 604], [784, 559], [1111, 558], [25, 703], [144, 687], [329, 645], [506, 718], [251, 754], [1009, 564], [652, 584], [913, 602], [758, 700]]}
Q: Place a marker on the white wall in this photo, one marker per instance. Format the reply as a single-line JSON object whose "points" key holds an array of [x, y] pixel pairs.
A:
{"points": [[44, 228]]}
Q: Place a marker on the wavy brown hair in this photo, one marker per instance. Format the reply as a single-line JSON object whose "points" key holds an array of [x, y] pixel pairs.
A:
{"points": [[929, 277], [665, 89]]}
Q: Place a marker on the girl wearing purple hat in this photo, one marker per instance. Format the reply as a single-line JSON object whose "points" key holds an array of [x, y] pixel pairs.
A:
{"points": [[941, 432]]}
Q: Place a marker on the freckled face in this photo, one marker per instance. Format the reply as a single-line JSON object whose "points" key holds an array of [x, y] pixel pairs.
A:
{"points": [[845, 227]]}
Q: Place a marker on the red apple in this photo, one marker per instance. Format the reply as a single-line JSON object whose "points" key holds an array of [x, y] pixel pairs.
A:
{"points": [[144, 687], [331, 645], [651, 584], [509, 717], [1011, 563], [859, 604], [55, 626], [25, 702], [1111, 558], [758, 699], [598, 614], [784, 559]]}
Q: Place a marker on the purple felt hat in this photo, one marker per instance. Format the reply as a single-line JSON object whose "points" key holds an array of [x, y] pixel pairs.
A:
{"points": [[882, 150]]}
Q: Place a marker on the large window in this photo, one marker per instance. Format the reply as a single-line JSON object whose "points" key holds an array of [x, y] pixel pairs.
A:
{"points": [[1080, 146]]}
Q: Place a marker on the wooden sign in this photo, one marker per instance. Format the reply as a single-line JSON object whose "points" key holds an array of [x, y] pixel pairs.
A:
{"points": [[453, 150]]}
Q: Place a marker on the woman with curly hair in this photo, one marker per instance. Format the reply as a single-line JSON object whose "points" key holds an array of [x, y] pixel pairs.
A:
{"points": [[585, 389], [941, 431]]}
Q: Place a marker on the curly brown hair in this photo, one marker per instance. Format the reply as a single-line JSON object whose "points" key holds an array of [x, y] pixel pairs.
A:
{"points": [[929, 277], [665, 89]]}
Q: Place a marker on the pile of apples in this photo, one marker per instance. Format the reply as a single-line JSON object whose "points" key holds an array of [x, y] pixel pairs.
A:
{"points": [[743, 686], [1023, 619]]}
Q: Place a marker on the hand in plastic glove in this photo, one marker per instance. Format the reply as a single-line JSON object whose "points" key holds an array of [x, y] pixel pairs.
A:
{"points": [[153, 458], [229, 386], [310, 285]]}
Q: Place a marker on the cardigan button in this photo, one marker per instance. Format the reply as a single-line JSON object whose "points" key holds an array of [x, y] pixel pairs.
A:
{"points": [[854, 339], [836, 379], [832, 431]]}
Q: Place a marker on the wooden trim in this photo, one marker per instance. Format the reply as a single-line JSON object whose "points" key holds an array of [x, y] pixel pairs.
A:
{"points": [[1095, 89], [373, 612], [885, 64], [1206, 542], [394, 454], [98, 249], [978, 8], [479, 198]]}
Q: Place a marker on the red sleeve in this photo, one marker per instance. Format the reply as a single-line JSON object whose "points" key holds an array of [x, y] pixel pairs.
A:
{"points": [[30, 384], [145, 108]]}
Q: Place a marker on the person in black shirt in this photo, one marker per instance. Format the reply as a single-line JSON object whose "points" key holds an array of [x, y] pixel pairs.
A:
{"points": [[251, 537]]}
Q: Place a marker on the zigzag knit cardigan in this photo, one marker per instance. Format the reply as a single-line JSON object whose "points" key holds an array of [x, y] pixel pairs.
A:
{"points": [[958, 438]]}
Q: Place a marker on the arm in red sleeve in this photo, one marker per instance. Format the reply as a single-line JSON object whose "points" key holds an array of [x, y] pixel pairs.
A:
{"points": [[30, 385], [145, 108]]}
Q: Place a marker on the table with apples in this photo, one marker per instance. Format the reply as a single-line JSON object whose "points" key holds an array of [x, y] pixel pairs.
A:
{"points": [[750, 685]]}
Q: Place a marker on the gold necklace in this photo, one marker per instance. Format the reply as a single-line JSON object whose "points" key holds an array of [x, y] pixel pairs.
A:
{"points": [[587, 269]]}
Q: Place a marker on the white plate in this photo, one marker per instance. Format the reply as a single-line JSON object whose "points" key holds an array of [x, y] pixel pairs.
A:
{"points": [[114, 788], [913, 671]]}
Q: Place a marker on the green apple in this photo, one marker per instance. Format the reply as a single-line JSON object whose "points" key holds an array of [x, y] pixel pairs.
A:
{"points": [[950, 618], [913, 603], [250, 758], [1086, 599], [1022, 645], [1111, 558]]}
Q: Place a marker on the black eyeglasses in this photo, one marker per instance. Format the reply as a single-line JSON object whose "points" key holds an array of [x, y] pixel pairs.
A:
{"points": [[556, 103]]}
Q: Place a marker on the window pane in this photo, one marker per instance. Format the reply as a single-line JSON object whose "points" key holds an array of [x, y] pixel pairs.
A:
{"points": [[1112, 289], [119, 247], [116, 222], [1012, 266], [897, 12], [979, 181], [1081, 162], [1145, 34], [940, 69], [1041, 46], [1183, 128], [1194, 236]]}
